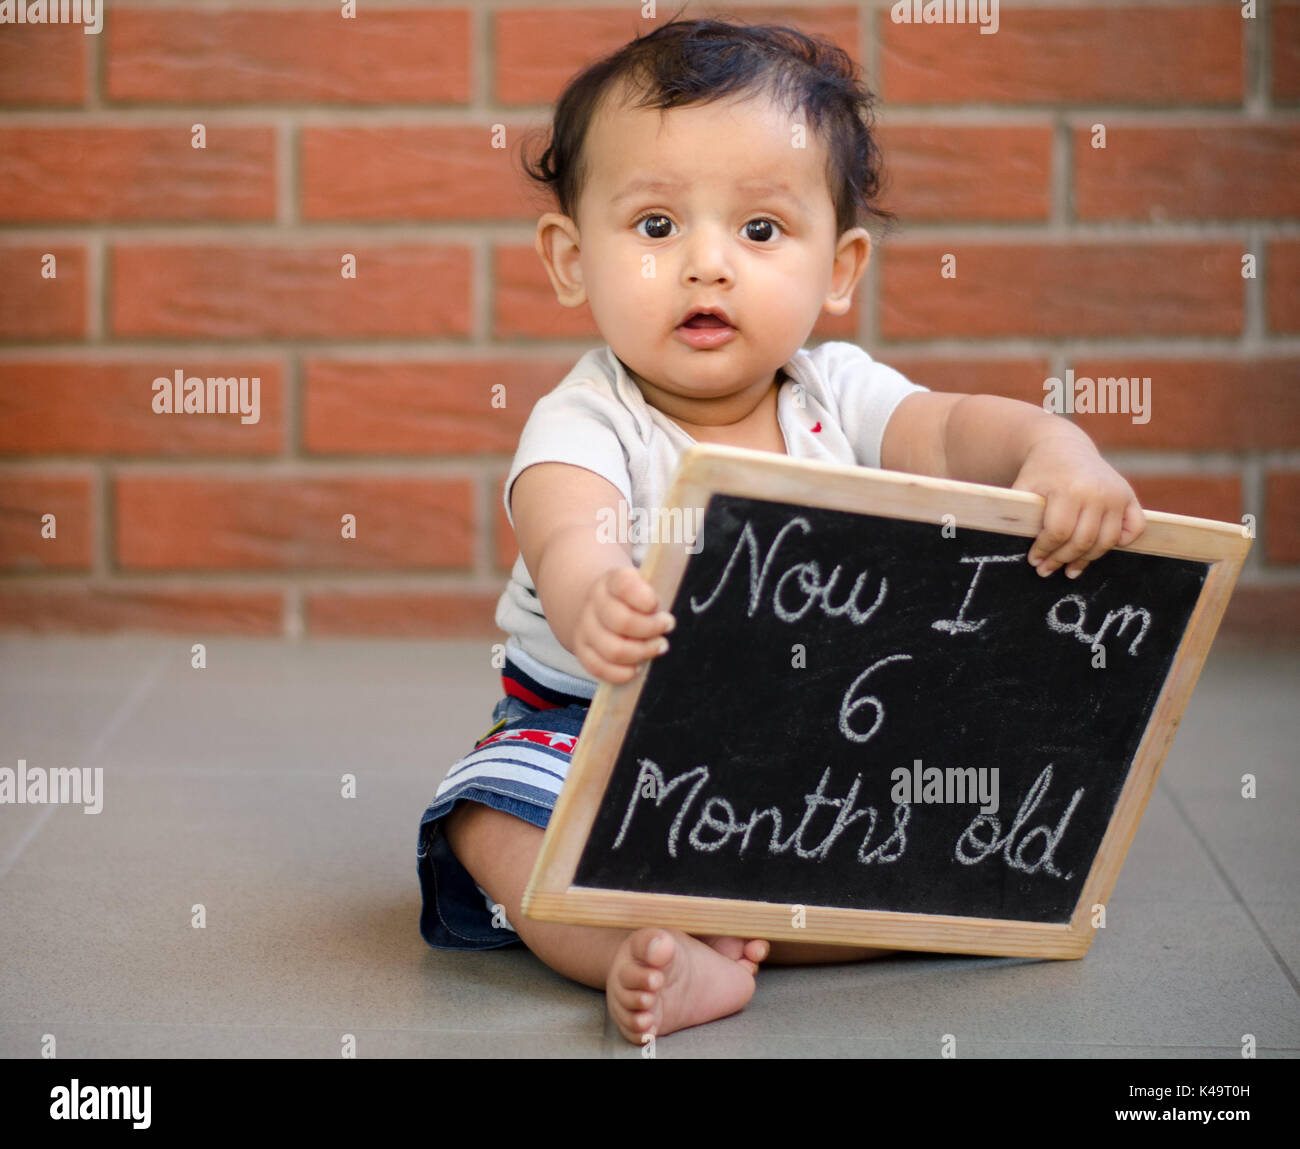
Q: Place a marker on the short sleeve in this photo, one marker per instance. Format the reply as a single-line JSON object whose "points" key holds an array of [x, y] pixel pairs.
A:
{"points": [[576, 424], [866, 393]]}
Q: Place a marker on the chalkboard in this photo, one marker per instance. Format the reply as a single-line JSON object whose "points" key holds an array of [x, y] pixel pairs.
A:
{"points": [[876, 723]]}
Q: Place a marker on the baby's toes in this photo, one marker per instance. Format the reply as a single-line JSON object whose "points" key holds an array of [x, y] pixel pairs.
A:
{"points": [[733, 948], [652, 948], [634, 1000], [757, 949]]}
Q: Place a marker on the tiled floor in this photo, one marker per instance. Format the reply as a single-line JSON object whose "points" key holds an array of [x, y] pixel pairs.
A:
{"points": [[222, 788]]}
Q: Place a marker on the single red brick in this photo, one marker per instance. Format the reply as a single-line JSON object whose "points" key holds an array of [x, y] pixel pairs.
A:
{"points": [[43, 65], [1282, 286], [946, 172], [1242, 171], [539, 50], [33, 307], [1282, 524], [107, 408], [425, 173], [294, 56], [1136, 288], [1198, 404], [25, 500], [1140, 55], [427, 407], [184, 522], [114, 174], [248, 292], [102, 609], [1286, 51], [1203, 496], [434, 614]]}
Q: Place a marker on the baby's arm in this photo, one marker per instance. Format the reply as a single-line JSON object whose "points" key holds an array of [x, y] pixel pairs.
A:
{"points": [[597, 603], [988, 439]]}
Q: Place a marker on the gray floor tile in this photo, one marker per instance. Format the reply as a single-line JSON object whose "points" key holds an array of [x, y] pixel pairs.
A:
{"points": [[312, 907], [222, 787], [1254, 842], [334, 708], [125, 1041], [128, 1041], [1280, 923], [104, 952], [214, 826], [1150, 981], [76, 663], [1242, 718], [59, 710], [18, 826], [1166, 862]]}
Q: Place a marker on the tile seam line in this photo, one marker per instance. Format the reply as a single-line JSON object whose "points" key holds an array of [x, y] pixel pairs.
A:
{"points": [[1287, 972], [127, 707]]}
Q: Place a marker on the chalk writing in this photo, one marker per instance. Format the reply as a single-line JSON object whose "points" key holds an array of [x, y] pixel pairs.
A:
{"points": [[716, 824], [961, 624], [972, 850], [741, 776], [847, 709], [1075, 626], [807, 574], [1124, 615]]}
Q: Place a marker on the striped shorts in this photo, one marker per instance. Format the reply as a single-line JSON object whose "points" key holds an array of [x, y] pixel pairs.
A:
{"points": [[518, 766]]}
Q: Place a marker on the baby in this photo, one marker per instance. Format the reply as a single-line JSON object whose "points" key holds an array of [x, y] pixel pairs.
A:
{"points": [[711, 178]]}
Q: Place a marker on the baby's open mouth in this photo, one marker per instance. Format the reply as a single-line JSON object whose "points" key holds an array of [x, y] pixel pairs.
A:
{"points": [[705, 332]]}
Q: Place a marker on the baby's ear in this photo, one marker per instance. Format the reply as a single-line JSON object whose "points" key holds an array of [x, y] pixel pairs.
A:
{"points": [[558, 245], [852, 253]]}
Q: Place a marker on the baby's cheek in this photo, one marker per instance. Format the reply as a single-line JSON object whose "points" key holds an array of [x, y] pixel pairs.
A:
{"points": [[630, 309]]}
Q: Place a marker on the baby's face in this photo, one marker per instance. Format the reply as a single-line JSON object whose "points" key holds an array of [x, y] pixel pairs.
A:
{"points": [[723, 205]]}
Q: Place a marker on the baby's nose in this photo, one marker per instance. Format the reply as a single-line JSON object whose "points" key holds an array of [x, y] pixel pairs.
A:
{"points": [[706, 259]]}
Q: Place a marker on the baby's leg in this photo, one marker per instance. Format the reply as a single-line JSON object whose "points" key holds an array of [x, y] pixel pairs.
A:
{"points": [[655, 980]]}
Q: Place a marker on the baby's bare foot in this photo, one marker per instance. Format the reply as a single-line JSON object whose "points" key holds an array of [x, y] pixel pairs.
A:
{"points": [[748, 952], [663, 980]]}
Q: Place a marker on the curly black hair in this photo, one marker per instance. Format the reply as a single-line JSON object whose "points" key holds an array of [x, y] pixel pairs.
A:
{"points": [[684, 62]]}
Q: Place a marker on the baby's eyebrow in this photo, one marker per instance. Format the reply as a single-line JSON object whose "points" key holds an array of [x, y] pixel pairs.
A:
{"points": [[645, 185], [766, 187]]}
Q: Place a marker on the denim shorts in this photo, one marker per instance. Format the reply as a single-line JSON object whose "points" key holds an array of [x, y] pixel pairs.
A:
{"points": [[517, 767]]}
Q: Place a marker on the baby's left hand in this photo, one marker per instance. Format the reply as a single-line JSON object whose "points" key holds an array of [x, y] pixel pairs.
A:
{"points": [[1090, 507]]}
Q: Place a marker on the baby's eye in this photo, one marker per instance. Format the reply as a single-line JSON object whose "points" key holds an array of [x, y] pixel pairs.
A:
{"points": [[660, 226], [760, 230]]}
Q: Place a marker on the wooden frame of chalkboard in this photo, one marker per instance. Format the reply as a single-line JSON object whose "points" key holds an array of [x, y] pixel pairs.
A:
{"points": [[708, 476]]}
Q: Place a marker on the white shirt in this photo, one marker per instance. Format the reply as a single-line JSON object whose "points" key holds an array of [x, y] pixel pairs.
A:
{"points": [[832, 405]]}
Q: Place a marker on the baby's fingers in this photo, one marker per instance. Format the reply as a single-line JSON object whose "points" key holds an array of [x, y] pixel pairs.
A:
{"points": [[629, 586], [602, 668], [625, 654], [1107, 536], [1059, 520], [1135, 522], [616, 617], [1079, 542]]}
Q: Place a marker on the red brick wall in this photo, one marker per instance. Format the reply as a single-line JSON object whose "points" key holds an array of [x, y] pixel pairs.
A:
{"points": [[372, 137]]}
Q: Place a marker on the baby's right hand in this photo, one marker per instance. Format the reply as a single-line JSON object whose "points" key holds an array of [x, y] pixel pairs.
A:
{"points": [[620, 626]]}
